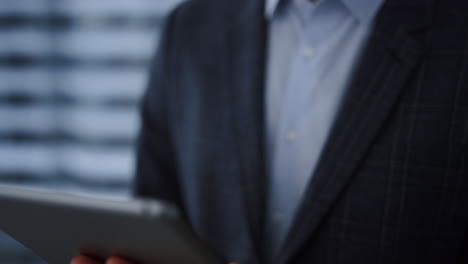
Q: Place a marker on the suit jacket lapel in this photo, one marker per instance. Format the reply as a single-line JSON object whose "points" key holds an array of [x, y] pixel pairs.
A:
{"points": [[245, 44], [387, 62]]}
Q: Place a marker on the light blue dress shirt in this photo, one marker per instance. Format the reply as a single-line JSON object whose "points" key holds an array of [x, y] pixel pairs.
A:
{"points": [[313, 46]]}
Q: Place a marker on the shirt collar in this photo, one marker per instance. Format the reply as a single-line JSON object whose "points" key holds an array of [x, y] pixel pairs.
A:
{"points": [[270, 8], [364, 10]]}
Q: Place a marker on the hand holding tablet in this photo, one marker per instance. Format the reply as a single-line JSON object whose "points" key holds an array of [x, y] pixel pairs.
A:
{"points": [[111, 260], [59, 227], [88, 260]]}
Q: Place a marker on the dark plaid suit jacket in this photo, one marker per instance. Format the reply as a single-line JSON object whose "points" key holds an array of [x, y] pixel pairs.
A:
{"points": [[392, 184]]}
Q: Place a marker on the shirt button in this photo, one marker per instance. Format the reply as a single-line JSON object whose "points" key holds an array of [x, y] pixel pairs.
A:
{"points": [[292, 136], [309, 52], [278, 218]]}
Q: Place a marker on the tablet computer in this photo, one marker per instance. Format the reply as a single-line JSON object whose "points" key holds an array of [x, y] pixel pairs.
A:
{"points": [[58, 227]]}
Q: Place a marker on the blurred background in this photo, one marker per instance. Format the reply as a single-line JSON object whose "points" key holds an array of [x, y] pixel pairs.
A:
{"points": [[71, 76]]}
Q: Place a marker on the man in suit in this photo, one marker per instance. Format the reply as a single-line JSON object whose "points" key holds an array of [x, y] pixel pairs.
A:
{"points": [[328, 131]]}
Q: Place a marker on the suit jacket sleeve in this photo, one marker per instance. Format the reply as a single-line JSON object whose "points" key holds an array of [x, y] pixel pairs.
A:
{"points": [[156, 175]]}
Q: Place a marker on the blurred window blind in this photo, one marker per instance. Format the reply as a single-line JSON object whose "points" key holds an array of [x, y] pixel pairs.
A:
{"points": [[71, 76]]}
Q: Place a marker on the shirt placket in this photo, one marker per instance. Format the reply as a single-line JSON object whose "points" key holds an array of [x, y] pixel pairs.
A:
{"points": [[287, 161]]}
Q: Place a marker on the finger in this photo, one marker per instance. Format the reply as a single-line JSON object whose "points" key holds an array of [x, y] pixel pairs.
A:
{"points": [[84, 260], [117, 260]]}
